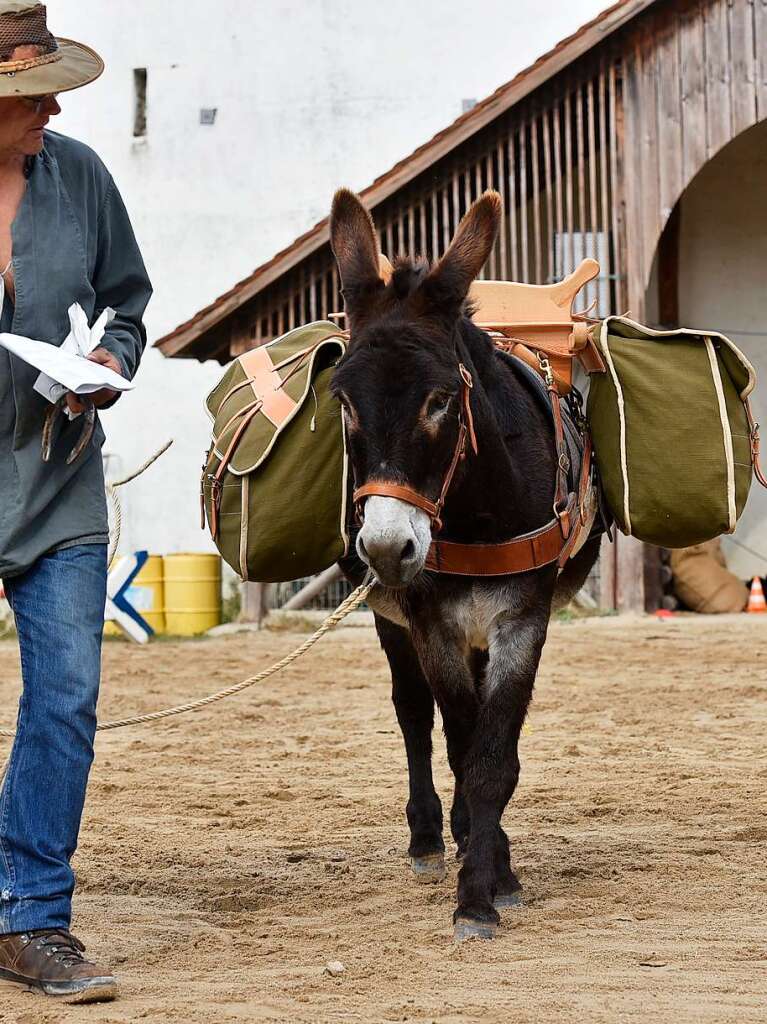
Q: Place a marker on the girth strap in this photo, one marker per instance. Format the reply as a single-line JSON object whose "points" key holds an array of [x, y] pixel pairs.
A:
{"points": [[522, 554]]}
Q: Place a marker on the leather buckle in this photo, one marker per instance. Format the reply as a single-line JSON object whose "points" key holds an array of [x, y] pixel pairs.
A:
{"points": [[563, 515], [466, 377]]}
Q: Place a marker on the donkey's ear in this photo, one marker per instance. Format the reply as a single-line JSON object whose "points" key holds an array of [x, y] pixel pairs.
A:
{"points": [[355, 246], [447, 285]]}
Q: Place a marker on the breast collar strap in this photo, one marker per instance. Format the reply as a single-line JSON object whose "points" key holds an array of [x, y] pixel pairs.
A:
{"points": [[551, 543]]}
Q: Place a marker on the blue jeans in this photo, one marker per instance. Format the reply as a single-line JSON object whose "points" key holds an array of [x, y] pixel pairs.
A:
{"points": [[58, 605]]}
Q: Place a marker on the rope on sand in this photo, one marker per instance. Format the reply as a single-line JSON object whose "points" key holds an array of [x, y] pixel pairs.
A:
{"points": [[354, 600]]}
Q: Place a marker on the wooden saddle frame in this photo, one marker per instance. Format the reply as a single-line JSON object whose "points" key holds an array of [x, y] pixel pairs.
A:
{"points": [[527, 319]]}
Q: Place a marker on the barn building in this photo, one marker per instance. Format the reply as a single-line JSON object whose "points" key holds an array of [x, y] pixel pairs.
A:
{"points": [[640, 140]]}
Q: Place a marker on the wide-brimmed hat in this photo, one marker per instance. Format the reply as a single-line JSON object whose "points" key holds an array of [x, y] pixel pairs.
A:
{"points": [[62, 64]]}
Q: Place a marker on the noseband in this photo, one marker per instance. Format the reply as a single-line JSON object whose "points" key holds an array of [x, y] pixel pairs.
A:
{"points": [[433, 509]]}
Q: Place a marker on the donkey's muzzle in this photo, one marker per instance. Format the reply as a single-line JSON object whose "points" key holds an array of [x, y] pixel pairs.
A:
{"points": [[392, 567], [394, 540]]}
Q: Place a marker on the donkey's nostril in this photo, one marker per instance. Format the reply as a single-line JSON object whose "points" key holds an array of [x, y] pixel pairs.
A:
{"points": [[408, 552], [363, 552]]}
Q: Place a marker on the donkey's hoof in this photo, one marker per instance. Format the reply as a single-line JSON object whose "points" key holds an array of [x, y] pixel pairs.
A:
{"points": [[467, 928], [504, 900], [430, 868]]}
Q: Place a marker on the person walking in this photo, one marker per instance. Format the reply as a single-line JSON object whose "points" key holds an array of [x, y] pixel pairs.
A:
{"points": [[65, 238]]}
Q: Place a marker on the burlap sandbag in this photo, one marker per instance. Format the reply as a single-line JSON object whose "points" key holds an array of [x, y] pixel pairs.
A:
{"points": [[703, 581]]}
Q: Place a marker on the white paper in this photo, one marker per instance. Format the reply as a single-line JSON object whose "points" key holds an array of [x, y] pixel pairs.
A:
{"points": [[65, 368], [81, 341]]}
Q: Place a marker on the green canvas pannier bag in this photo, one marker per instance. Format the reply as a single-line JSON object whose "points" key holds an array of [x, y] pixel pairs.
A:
{"points": [[275, 480], [673, 435]]}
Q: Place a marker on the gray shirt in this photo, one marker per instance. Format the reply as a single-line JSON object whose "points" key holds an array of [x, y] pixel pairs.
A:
{"points": [[72, 242]]}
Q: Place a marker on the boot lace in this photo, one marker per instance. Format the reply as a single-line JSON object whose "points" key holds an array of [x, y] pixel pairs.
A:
{"points": [[61, 945]]}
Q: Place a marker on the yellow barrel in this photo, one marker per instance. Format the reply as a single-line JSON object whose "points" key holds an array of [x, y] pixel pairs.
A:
{"points": [[192, 593], [147, 595]]}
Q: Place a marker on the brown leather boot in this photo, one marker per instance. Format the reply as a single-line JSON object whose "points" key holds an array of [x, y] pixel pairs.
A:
{"points": [[51, 959]]}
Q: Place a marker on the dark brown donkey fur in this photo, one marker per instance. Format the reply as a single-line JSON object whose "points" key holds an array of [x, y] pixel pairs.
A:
{"points": [[472, 645]]}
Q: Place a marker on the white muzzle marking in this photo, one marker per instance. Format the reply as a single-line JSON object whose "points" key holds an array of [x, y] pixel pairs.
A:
{"points": [[394, 540]]}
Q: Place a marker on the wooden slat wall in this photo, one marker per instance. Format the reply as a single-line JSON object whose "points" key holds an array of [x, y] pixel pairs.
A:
{"points": [[760, 49], [695, 78]]}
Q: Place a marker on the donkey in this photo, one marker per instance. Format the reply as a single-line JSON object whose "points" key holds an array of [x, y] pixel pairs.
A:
{"points": [[479, 464]]}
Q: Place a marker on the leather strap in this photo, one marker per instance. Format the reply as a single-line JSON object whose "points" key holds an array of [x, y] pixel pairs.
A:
{"points": [[216, 481], [267, 385], [384, 489], [521, 554], [580, 510], [755, 444], [561, 506]]}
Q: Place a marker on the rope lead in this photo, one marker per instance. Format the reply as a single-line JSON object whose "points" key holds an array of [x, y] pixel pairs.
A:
{"points": [[354, 600]]}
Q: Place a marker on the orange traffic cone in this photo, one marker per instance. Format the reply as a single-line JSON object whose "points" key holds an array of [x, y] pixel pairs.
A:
{"points": [[756, 602]]}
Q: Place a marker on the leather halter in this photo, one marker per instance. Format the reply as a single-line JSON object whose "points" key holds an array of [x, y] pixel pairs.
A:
{"points": [[433, 509], [552, 543]]}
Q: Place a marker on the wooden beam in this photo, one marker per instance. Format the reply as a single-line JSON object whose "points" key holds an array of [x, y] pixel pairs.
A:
{"points": [[718, 110], [607, 570], [693, 85], [549, 189], [255, 602], [653, 586], [617, 188], [669, 115], [760, 48], [668, 270], [629, 574], [743, 64], [316, 586]]}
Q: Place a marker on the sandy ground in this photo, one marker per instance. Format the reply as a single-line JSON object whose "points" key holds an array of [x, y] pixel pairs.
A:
{"points": [[229, 855]]}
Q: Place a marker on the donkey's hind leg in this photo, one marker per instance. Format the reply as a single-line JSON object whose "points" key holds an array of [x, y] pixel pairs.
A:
{"points": [[414, 706]]}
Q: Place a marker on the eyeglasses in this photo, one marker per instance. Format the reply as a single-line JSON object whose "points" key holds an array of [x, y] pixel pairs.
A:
{"points": [[36, 103]]}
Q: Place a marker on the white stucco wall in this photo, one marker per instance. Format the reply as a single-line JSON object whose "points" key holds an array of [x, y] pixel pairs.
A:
{"points": [[722, 285], [310, 96]]}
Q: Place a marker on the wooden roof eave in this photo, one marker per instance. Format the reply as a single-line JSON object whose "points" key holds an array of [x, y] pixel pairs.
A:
{"points": [[507, 96]]}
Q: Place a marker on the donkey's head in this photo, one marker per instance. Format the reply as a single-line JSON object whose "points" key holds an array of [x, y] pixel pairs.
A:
{"points": [[401, 384]]}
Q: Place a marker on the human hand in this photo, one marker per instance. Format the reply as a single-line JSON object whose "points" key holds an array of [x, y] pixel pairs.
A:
{"points": [[79, 403]]}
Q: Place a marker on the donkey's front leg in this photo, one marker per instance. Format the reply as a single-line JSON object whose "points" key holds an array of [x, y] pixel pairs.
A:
{"points": [[414, 705], [492, 771]]}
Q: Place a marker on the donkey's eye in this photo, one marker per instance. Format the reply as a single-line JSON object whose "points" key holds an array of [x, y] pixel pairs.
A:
{"points": [[438, 403]]}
